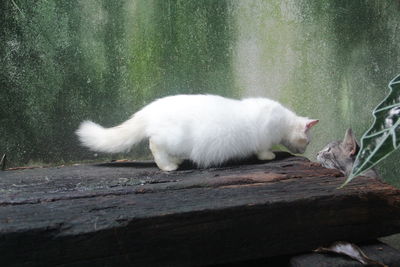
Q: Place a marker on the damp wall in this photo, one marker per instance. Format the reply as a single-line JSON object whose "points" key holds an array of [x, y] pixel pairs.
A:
{"points": [[69, 60], [330, 60], [66, 61]]}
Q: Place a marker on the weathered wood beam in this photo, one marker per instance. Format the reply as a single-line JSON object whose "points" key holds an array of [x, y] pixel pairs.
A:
{"points": [[133, 214]]}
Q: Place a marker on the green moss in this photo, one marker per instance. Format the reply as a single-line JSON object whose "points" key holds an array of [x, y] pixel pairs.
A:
{"points": [[69, 60], [66, 61], [325, 59]]}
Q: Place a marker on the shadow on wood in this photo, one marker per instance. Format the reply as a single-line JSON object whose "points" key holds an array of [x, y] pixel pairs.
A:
{"points": [[188, 165]]}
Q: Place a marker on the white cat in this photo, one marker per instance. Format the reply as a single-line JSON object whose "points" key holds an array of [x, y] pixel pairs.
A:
{"points": [[206, 129]]}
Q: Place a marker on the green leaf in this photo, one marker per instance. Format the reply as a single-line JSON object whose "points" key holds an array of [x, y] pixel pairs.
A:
{"points": [[384, 135]]}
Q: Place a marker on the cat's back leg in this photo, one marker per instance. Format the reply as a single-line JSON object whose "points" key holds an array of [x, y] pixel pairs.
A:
{"points": [[164, 161]]}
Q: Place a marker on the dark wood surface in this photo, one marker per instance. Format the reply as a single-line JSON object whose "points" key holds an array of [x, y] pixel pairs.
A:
{"points": [[132, 214], [376, 251]]}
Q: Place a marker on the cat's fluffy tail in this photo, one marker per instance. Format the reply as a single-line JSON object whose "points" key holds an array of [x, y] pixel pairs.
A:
{"points": [[111, 140]]}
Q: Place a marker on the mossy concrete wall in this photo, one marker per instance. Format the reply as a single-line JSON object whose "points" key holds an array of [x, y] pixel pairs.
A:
{"points": [[68, 60], [330, 60]]}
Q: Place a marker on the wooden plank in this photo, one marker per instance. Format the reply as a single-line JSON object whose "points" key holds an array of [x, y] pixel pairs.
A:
{"points": [[133, 214]]}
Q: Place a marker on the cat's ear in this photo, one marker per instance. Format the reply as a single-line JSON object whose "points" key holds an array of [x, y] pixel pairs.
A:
{"points": [[350, 143], [310, 123]]}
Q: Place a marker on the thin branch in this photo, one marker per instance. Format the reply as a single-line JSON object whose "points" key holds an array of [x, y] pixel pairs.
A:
{"points": [[3, 162], [17, 7]]}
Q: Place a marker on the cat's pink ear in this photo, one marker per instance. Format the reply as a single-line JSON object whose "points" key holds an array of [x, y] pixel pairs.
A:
{"points": [[311, 123]]}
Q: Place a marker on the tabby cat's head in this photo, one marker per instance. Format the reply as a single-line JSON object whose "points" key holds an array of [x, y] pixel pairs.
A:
{"points": [[340, 154]]}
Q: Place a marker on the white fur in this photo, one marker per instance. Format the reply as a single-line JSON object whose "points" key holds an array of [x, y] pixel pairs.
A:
{"points": [[206, 129]]}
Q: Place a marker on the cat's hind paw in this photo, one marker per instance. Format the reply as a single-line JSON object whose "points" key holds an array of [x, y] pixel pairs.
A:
{"points": [[168, 168]]}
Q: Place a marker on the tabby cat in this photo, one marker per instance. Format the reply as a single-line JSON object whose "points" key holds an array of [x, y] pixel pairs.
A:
{"points": [[342, 154]]}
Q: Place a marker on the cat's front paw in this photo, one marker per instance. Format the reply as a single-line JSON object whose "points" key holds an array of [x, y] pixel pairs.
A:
{"points": [[265, 155]]}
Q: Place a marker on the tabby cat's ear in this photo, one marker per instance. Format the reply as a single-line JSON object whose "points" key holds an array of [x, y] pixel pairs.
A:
{"points": [[350, 143], [311, 123]]}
